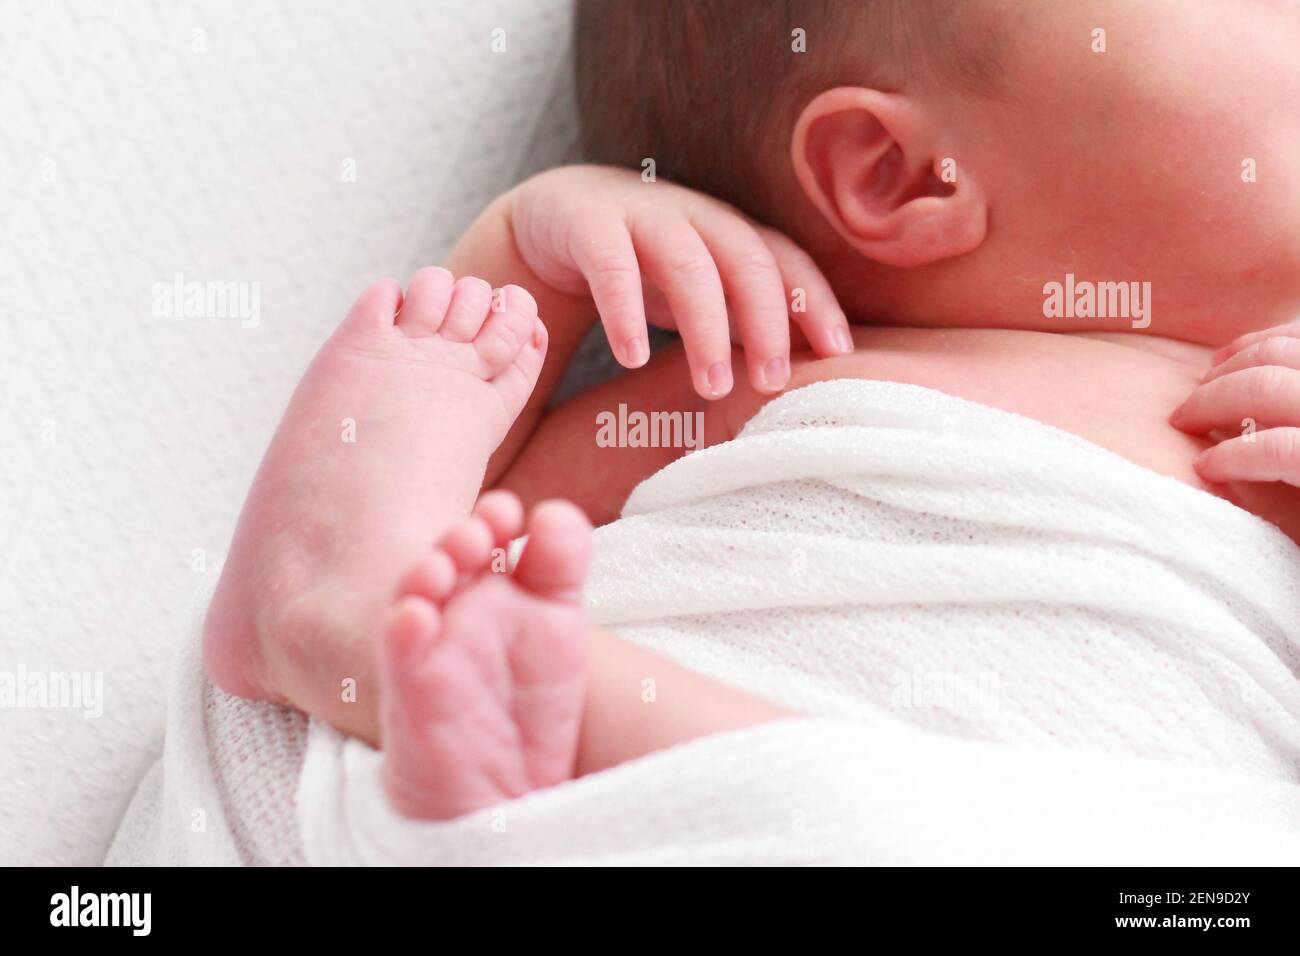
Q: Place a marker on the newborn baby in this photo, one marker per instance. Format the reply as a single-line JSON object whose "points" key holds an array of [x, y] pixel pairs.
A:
{"points": [[945, 169]]}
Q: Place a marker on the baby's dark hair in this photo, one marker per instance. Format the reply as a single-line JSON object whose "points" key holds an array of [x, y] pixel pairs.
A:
{"points": [[711, 89]]}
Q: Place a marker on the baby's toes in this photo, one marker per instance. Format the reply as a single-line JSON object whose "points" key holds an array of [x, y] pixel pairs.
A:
{"points": [[433, 578], [503, 513], [469, 546], [516, 381], [427, 296], [471, 298], [409, 635], [508, 329], [375, 308], [557, 557]]}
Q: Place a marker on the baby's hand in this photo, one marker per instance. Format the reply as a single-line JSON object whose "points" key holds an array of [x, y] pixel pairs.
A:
{"points": [[598, 230], [1252, 391]]}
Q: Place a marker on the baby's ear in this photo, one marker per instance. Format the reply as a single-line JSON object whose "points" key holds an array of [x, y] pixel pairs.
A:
{"points": [[868, 162]]}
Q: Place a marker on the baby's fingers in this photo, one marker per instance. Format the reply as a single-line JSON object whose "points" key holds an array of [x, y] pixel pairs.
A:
{"points": [[676, 258], [755, 293], [1269, 455], [1265, 396], [604, 254], [1291, 329], [809, 296], [1279, 350]]}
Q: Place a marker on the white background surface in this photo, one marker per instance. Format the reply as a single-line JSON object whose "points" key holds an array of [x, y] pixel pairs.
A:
{"points": [[133, 148]]}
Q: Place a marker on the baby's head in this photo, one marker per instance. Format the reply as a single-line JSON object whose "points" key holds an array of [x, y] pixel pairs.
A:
{"points": [[943, 160]]}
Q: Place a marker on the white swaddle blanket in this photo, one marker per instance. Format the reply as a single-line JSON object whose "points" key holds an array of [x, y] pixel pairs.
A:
{"points": [[1011, 645]]}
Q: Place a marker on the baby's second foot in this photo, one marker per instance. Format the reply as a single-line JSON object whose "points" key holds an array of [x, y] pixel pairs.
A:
{"points": [[383, 447], [484, 672]]}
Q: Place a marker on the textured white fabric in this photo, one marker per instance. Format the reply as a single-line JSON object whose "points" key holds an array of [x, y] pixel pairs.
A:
{"points": [[222, 794], [211, 139], [1013, 646]]}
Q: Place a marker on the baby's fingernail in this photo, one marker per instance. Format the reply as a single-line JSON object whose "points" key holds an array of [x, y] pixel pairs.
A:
{"points": [[775, 373], [1203, 465], [843, 340], [719, 378], [636, 351], [1176, 417]]}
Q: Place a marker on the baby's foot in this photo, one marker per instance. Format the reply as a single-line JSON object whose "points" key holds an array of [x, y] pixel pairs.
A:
{"points": [[383, 447], [483, 671]]}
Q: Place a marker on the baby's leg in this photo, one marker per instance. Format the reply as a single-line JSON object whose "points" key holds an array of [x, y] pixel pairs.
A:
{"points": [[494, 685], [622, 721]]}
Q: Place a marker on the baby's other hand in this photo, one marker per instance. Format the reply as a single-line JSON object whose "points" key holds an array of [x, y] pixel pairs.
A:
{"points": [[1253, 393], [631, 244]]}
